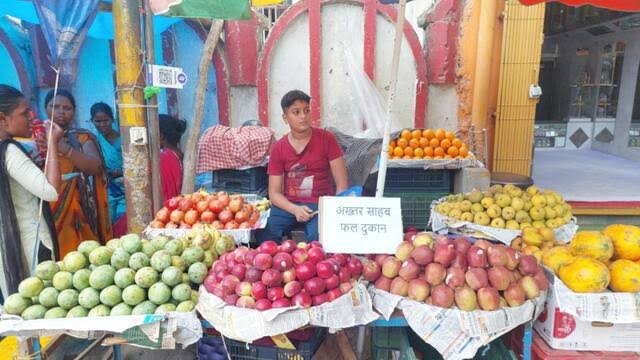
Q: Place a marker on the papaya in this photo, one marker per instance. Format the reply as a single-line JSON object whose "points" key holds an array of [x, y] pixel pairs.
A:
{"points": [[593, 244], [626, 241], [556, 257], [585, 275], [625, 276]]}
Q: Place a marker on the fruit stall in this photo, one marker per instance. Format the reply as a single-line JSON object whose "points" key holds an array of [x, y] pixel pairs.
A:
{"points": [[500, 266]]}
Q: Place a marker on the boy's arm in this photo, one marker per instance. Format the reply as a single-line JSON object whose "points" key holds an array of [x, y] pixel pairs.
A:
{"points": [[339, 172], [301, 212]]}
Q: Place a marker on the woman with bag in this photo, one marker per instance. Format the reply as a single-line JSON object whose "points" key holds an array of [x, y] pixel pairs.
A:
{"points": [[22, 187]]}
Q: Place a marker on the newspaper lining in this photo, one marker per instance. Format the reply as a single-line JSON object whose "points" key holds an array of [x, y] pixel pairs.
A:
{"points": [[436, 164], [181, 328], [611, 307], [241, 236], [457, 334], [443, 224], [351, 309]]}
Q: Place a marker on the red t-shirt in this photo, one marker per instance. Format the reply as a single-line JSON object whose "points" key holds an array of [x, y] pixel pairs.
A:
{"points": [[307, 175]]}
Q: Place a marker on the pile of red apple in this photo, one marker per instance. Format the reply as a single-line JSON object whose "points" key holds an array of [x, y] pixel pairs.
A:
{"points": [[279, 276], [221, 210], [454, 271]]}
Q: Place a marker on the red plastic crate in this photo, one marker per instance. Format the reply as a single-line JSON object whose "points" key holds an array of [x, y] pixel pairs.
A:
{"points": [[540, 350]]}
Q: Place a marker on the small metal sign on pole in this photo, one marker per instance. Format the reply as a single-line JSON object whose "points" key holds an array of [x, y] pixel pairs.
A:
{"points": [[166, 76]]}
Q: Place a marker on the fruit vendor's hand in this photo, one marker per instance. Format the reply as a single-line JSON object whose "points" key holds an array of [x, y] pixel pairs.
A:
{"points": [[302, 213]]}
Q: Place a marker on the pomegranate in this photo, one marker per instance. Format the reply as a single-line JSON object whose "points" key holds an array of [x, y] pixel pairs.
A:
{"points": [[262, 261], [176, 216], [302, 299], [305, 271], [258, 290], [163, 215], [275, 293], [332, 282], [263, 304], [225, 216], [185, 204], [239, 271], [314, 286], [172, 203], [202, 205], [333, 294], [241, 216], [272, 278], [324, 269], [236, 203], [319, 299], [207, 216], [281, 303], [215, 206], [282, 261], [316, 254], [292, 288], [299, 256], [287, 246]]}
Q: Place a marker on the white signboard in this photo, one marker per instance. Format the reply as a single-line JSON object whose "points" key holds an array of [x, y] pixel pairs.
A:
{"points": [[360, 225], [166, 76]]}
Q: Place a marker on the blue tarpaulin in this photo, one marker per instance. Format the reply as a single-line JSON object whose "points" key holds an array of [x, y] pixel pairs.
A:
{"points": [[64, 28], [102, 27]]}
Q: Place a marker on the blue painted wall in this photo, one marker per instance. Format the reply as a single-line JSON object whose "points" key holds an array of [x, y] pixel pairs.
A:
{"points": [[8, 75], [94, 80], [188, 48]]}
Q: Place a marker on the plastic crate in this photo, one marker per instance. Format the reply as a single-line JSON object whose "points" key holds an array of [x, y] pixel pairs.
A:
{"points": [[495, 350], [304, 349], [252, 180], [410, 179], [416, 206], [540, 350], [391, 343]]}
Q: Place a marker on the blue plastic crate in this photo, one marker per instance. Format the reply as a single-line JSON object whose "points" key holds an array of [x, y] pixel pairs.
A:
{"points": [[252, 180]]}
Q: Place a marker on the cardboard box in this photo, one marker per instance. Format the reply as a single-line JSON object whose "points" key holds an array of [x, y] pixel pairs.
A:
{"points": [[564, 331]]}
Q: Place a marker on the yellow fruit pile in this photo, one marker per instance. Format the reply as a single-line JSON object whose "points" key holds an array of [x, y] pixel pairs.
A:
{"points": [[427, 144], [534, 240], [596, 260], [509, 207]]}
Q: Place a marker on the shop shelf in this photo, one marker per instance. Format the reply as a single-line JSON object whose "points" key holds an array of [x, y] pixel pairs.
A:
{"points": [[416, 206], [391, 343], [304, 349], [416, 179], [251, 180]]}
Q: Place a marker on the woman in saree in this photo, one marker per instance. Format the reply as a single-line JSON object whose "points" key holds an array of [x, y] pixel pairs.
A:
{"points": [[82, 210], [111, 146]]}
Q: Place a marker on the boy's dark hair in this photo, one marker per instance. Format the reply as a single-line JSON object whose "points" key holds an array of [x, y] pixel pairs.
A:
{"points": [[171, 128], [289, 98]]}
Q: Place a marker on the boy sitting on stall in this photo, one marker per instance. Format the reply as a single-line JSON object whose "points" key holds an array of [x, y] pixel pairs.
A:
{"points": [[303, 165]]}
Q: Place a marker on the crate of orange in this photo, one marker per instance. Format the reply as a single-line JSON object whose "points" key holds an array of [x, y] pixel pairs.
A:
{"points": [[430, 149]]}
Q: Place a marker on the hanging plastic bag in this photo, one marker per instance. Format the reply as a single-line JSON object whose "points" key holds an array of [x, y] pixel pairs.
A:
{"points": [[368, 104]]}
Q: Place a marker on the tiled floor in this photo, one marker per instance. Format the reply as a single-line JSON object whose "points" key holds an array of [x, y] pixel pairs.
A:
{"points": [[587, 175]]}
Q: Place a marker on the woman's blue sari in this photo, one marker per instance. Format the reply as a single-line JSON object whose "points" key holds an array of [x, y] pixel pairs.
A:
{"points": [[113, 162]]}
